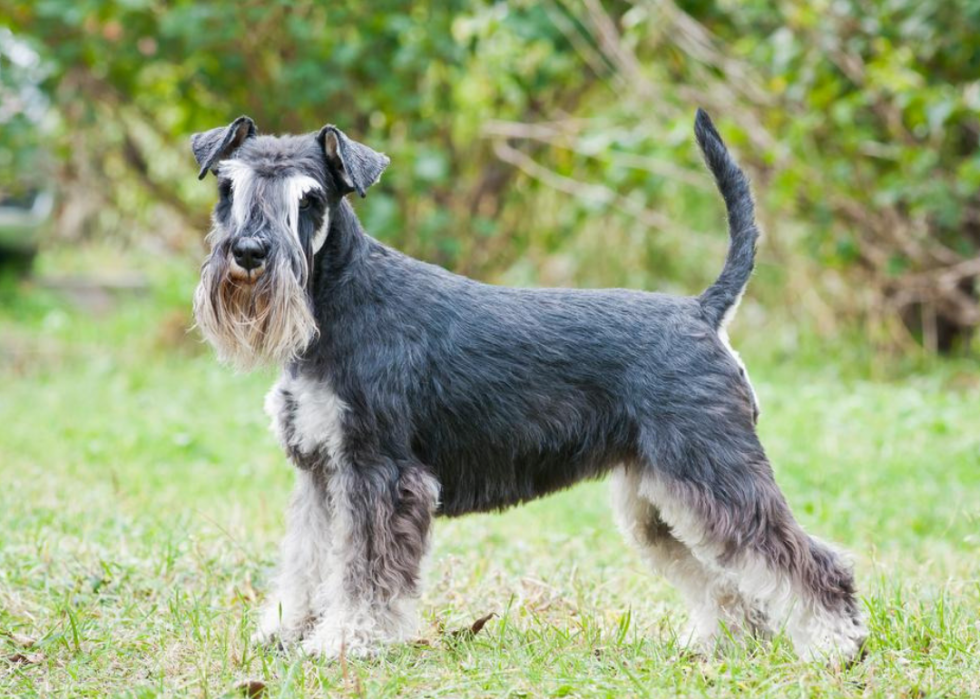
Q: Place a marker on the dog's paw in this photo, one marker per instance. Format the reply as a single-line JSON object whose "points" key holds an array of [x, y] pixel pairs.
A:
{"points": [[276, 630], [840, 642], [331, 645]]}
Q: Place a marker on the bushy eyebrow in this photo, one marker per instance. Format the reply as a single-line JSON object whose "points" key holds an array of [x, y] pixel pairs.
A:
{"points": [[298, 185], [295, 188], [242, 177]]}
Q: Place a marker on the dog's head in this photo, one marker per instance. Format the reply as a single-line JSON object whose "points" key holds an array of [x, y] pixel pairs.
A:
{"points": [[276, 200]]}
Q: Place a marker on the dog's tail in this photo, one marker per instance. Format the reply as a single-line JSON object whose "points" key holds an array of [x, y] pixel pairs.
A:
{"points": [[720, 299]]}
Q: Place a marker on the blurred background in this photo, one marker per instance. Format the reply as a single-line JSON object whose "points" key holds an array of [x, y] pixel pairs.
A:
{"points": [[532, 143]]}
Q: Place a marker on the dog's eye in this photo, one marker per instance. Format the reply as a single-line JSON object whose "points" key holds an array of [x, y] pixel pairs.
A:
{"points": [[304, 204]]}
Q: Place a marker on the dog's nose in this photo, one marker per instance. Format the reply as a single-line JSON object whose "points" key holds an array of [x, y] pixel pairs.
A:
{"points": [[249, 253]]}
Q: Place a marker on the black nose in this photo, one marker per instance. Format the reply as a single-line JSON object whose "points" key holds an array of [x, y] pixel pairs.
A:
{"points": [[249, 253]]}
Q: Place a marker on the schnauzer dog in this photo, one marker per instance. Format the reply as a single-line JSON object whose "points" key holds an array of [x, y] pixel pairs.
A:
{"points": [[409, 392]]}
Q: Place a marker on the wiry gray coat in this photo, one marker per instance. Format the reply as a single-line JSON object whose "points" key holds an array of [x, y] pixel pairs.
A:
{"points": [[412, 391]]}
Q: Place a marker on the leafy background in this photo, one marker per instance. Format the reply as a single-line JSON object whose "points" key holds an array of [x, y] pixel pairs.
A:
{"points": [[550, 142]]}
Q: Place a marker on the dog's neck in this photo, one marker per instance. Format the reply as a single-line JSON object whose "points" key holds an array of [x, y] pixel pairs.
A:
{"points": [[345, 245], [338, 282]]}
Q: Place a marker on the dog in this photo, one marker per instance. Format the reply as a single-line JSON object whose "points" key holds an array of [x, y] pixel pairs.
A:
{"points": [[408, 392]]}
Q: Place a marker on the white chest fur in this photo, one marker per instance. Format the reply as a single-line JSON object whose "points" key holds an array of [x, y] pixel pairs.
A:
{"points": [[307, 417]]}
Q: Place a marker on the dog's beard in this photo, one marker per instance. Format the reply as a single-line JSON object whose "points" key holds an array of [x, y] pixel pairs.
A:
{"points": [[251, 324]]}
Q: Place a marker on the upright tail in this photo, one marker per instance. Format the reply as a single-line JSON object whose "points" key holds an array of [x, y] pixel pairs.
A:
{"points": [[721, 298]]}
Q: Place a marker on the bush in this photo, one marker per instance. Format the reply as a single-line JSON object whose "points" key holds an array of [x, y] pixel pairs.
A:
{"points": [[540, 142]]}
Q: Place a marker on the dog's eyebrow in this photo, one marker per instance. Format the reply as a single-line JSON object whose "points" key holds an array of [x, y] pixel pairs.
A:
{"points": [[298, 185], [242, 177], [235, 170], [295, 188]]}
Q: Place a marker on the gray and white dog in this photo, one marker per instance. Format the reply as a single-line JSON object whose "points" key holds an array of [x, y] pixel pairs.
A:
{"points": [[409, 392]]}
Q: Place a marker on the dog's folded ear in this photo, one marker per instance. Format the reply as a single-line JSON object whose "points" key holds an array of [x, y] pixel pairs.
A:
{"points": [[211, 147], [354, 166]]}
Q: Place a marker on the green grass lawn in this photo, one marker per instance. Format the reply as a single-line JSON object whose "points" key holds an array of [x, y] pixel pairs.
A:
{"points": [[142, 500]]}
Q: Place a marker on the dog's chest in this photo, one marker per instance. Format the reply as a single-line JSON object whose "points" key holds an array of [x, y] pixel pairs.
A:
{"points": [[307, 417]]}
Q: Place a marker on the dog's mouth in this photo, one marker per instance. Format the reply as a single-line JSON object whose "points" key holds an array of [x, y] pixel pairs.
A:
{"points": [[244, 276]]}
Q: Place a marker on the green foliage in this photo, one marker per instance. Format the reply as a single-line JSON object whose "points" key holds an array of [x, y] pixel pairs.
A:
{"points": [[23, 107], [888, 97], [879, 104], [550, 142], [414, 80]]}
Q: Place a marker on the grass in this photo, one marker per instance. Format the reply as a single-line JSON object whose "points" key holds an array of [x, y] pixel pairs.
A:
{"points": [[142, 501]]}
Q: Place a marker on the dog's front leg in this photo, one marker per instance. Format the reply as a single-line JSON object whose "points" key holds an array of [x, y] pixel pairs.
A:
{"points": [[305, 563], [382, 513]]}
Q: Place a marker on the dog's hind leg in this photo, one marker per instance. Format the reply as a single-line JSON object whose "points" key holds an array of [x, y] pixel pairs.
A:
{"points": [[383, 512], [718, 610], [306, 560], [715, 489]]}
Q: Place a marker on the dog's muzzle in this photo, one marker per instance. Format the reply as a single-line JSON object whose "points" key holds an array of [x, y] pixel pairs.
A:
{"points": [[252, 303], [248, 258]]}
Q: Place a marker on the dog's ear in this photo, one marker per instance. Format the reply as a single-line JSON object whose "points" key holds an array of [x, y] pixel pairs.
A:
{"points": [[218, 144], [353, 165]]}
